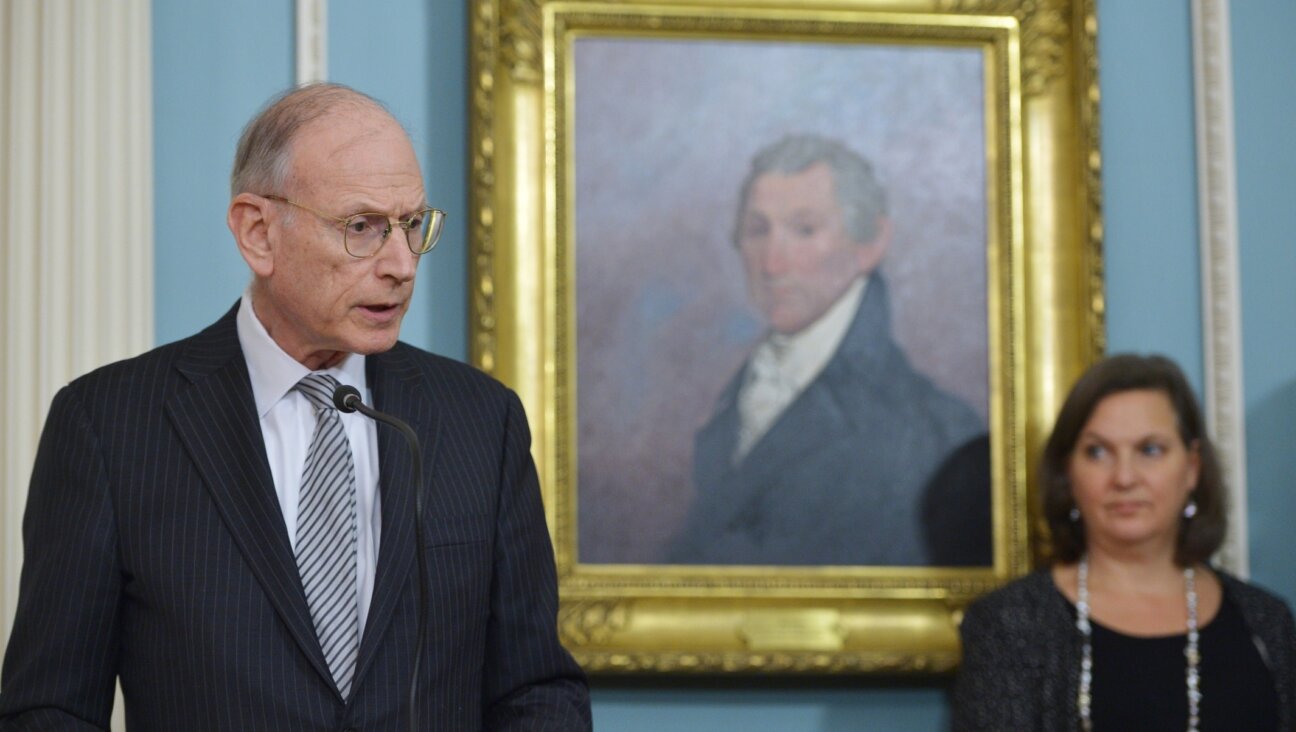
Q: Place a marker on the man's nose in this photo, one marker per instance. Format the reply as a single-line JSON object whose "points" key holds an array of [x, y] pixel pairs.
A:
{"points": [[394, 258], [774, 255]]}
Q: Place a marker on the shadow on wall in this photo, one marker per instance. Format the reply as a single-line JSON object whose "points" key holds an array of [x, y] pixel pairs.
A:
{"points": [[1271, 489]]}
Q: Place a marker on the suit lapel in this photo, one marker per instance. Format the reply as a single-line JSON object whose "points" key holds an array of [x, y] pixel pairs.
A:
{"points": [[855, 374], [398, 390], [797, 433], [714, 446], [217, 422]]}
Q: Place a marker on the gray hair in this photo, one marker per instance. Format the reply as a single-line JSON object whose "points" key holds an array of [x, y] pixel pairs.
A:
{"points": [[861, 197], [263, 159]]}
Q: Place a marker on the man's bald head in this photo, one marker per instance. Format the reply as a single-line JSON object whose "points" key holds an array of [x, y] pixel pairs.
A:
{"points": [[264, 157]]}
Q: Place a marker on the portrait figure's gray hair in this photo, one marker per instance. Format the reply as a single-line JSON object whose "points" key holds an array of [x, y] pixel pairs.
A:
{"points": [[263, 159], [859, 193]]}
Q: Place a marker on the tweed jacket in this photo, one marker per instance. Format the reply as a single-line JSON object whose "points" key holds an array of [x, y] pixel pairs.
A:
{"points": [[156, 553], [1021, 655]]}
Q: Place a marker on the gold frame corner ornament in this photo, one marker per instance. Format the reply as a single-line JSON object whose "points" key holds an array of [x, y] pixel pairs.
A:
{"points": [[1046, 319]]}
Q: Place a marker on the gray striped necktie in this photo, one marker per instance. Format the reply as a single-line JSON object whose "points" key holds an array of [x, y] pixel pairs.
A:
{"points": [[326, 534]]}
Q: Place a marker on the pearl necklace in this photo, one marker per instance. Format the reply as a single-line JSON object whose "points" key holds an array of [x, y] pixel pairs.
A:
{"points": [[1086, 657]]}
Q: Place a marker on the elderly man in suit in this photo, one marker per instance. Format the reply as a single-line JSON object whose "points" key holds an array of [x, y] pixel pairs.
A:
{"points": [[205, 526], [823, 444]]}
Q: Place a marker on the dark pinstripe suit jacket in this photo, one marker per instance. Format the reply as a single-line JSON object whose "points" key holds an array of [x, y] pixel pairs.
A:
{"points": [[155, 550]]}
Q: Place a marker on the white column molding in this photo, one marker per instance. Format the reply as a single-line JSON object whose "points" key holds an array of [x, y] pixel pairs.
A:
{"points": [[312, 41], [1221, 306], [76, 206]]}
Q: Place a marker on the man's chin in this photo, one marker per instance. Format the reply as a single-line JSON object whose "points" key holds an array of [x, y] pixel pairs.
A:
{"points": [[786, 317], [370, 348], [375, 341], [785, 324]]}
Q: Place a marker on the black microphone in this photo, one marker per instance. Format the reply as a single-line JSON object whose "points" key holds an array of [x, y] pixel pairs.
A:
{"points": [[347, 399]]}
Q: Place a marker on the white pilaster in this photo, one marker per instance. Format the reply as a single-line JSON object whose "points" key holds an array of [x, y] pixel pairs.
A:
{"points": [[312, 41], [76, 217], [1221, 305]]}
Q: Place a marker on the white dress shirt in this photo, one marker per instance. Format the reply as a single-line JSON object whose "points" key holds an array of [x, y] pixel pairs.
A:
{"points": [[287, 425], [783, 365]]}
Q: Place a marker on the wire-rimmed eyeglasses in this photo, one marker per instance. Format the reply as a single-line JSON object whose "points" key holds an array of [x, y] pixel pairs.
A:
{"points": [[363, 234]]}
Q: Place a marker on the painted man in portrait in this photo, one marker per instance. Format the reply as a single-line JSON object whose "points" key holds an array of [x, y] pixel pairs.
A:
{"points": [[827, 447]]}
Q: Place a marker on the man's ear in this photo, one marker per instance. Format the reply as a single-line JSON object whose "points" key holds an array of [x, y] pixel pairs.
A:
{"points": [[869, 255], [248, 222]]}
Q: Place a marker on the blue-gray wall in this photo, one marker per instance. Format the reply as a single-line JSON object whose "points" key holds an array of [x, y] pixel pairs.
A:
{"points": [[216, 61], [1265, 92]]}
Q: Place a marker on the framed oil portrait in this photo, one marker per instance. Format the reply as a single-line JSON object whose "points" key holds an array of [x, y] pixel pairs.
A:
{"points": [[790, 292]]}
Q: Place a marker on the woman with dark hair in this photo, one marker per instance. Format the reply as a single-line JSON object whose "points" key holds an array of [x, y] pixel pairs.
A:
{"points": [[1130, 628]]}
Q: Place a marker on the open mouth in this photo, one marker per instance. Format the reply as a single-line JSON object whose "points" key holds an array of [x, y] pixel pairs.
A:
{"points": [[381, 311]]}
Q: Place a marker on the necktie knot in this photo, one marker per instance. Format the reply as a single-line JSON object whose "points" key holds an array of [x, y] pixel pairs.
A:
{"points": [[318, 388]]}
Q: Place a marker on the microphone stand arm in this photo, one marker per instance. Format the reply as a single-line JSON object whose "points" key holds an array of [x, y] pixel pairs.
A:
{"points": [[347, 399]]}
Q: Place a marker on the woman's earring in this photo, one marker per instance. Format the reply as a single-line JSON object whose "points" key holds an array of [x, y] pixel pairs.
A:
{"points": [[1190, 510], [1075, 514]]}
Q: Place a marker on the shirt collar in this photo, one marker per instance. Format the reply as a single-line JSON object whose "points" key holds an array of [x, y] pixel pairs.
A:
{"points": [[272, 371], [800, 356]]}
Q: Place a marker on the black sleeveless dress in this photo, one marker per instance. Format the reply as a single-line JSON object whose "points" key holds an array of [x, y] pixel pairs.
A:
{"points": [[1139, 683]]}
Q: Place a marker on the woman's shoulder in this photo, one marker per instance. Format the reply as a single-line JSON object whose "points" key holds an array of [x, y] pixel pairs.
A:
{"points": [[1258, 604], [1025, 602], [1033, 589]]}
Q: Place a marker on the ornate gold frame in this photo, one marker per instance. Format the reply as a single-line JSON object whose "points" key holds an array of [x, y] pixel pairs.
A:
{"points": [[1045, 318]]}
